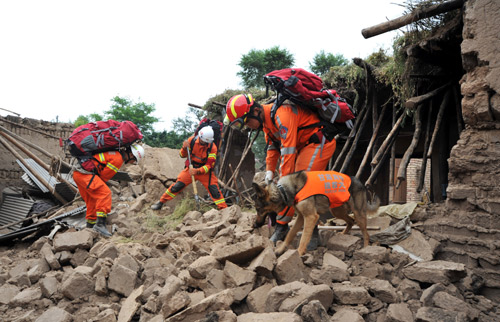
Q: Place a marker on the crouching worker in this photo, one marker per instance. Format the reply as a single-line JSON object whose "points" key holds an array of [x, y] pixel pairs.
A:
{"points": [[203, 154], [93, 188]]}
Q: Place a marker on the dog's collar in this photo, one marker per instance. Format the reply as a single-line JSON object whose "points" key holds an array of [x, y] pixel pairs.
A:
{"points": [[282, 193]]}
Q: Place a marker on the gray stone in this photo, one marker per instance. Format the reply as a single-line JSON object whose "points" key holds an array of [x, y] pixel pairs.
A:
{"points": [[130, 305], [432, 314], [216, 302], [48, 286], [383, 290], [71, 241], [54, 314], [202, 266], [38, 270], [346, 315], [289, 267], [344, 243], [242, 252], [77, 285], [285, 298], [266, 317], [350, 294], [256, 299], [264, 263], [49, 256], [436, 272], [26, 297], [399, 312], [122, 280], [376, 254], [8, 292]]}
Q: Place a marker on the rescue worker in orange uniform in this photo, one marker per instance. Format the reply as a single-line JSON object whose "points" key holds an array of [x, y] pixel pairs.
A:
{"points": [[203, 155], [293, 138], [93, 188]]}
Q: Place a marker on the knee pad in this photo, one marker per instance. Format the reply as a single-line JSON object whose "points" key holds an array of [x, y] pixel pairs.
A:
{"points": [[214, 191], [178, 186]]}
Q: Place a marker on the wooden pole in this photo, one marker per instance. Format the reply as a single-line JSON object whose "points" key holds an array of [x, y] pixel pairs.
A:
{"points": [[348, 158], [416, 15], [394, 131], [413, 102], [442, 107], [31, 129], [372, 140], [409, 152], [423, 167]]}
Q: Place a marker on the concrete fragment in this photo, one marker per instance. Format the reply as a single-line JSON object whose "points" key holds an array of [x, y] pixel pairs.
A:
{"points": [[432, 314], [264, 263], [40, 268], [256, 299], [82, 239], [26, 297], [350, 294], [77, 285], [46, 252], [236, 276], [328, 274], [375, 254], [436, 272], [48, 286], [345, 243], [449, 302], [122, 280], [417, 244], [177, 302], [216, 302], [108, 250], [8, 292], [285, 298], [383, 290], [242, 252], [399, 312], [312, 311], [331, 260], [289, 267], [55, 314], [107, 315], [130, 305], [266, 317], [202, 266], [345, 315]]}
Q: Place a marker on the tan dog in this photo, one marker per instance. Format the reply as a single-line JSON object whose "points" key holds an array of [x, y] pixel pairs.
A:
{"points": [[274, 197]]}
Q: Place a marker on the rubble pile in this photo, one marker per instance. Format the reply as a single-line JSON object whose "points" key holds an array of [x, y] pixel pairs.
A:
{"points": [[216, 267]]}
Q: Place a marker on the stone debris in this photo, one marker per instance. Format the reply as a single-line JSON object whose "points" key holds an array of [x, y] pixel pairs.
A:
{"points": [[214, 266]]}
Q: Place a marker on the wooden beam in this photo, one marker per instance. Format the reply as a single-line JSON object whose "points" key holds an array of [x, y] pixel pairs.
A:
{"points": [[413, 102], [416, 15]]}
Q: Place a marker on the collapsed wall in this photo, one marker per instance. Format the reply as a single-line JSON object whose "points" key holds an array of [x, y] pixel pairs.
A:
{"points": [[469, 228], [46, 135]]}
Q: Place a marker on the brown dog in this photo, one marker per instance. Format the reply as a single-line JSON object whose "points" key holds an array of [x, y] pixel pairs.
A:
{"points": [[274, 197]]}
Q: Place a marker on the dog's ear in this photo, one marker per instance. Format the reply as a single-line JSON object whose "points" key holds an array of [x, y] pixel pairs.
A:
{"points": [[259, 191]]}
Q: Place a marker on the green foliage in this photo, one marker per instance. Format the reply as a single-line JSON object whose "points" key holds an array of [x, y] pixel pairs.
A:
{"points": [[322, 62], [257, 63], [140, 113], [82, 119]]}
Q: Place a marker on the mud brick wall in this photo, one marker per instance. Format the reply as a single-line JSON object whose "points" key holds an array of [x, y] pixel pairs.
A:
{"points": [[29, 129], [469, 230]]}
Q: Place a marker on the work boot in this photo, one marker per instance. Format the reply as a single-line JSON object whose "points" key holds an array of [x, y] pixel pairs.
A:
{"points": [[157, 206], [279, 233], [314, 242], [100, 227], [89, 225]]}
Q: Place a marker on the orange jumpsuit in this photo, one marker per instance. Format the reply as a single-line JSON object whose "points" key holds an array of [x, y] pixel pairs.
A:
{"points": [[289, 140], [97, 195], [334, 185], [203, 160]]}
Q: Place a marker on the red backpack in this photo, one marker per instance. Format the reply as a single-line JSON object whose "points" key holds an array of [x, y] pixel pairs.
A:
{"points": [[101, 136], [306, 89]]}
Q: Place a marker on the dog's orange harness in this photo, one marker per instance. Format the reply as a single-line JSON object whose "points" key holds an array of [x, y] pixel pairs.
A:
{"points": [[332, 184]]}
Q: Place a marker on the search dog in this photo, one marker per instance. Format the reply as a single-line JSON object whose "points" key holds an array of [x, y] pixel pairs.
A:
{"points": [[274, 197]]}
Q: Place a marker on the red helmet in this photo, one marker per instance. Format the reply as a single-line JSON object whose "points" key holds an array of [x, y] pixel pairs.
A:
{"points": [[238, 106]]}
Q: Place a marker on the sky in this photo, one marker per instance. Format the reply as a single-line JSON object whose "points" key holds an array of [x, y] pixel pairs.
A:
{"points": [[62, 59]]}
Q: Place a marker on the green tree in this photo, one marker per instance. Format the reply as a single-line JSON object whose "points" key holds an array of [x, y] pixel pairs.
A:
{"points": [[322, 62], [124, 109], [257, 63], [84, 119]]}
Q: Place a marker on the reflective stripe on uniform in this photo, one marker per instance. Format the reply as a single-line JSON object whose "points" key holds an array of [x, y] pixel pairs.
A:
{"points": [[112, 167], [170, 194], [219, 201], [101, 214], [313, 158], [289, 150], [205, 168]]}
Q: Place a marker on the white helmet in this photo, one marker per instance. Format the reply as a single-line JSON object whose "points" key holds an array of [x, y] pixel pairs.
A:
{"points": [[137, 151], [206, 134]]}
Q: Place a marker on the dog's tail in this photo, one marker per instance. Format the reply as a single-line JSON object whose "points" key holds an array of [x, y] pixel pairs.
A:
{"points": [[372, 204]]}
